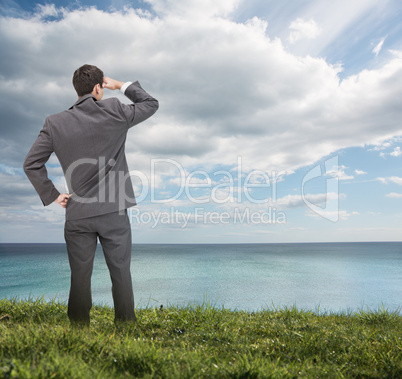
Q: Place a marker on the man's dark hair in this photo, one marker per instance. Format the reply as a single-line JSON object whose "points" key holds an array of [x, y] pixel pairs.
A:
{"points": [[86, 78]]}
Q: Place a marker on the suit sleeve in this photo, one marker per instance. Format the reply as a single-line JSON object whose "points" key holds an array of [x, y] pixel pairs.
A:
{"points": [[34, 166], [143, 107]]}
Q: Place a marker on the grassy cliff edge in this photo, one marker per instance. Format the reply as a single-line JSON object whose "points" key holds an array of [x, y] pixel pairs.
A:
{"points": [[36, 340]]}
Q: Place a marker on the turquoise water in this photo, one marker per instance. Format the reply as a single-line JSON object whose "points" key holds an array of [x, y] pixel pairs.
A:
{"points": [[316, 276]]}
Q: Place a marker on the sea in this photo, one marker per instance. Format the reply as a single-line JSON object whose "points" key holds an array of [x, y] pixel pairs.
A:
{"points": [[319, 277]]}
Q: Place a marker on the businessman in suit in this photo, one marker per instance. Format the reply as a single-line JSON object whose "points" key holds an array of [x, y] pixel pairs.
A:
{"points": [[89, 141]]}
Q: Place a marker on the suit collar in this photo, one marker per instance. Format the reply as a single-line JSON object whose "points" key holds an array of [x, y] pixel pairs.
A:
{"points": [[83, 98]]}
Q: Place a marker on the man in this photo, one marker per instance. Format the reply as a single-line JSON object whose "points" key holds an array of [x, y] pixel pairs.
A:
{"points": [[89, 141]]}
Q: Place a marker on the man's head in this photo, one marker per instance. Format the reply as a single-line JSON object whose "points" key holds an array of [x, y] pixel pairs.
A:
{"points": [[88, 79]]}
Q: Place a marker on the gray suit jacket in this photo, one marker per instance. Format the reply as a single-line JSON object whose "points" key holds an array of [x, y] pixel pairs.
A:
{"points": [[89, 141]]}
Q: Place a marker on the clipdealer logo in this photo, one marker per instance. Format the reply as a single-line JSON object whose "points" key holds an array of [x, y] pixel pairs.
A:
{"points": [[233, 188]]}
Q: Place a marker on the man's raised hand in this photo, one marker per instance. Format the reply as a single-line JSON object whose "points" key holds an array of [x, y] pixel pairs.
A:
{"points": [[112, 84]]}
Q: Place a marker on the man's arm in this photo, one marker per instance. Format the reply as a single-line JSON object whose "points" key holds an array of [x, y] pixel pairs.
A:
{"points": [[144, 104], [34, 167]]}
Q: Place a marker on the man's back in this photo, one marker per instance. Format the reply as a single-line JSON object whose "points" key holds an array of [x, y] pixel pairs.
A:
{"points": [[88, 139]]}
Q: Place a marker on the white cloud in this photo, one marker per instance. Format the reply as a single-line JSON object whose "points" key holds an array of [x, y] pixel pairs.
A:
{"points": [[394, 195], [340, 173], [396, 53], [338, 20], [254, 99], [386, 145], [192, 9], [47, 10], [360, 172], [378, 47], [294, 201], [284, 202], [342, 215], [397, 152], [301, 29], [381, 146], [392, 179]]}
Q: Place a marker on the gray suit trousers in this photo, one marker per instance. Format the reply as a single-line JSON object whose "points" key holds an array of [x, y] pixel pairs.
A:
{"points": [[114, 233]]}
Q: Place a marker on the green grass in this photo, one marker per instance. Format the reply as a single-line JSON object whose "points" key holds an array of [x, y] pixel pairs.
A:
{"points": [[37, 341]]}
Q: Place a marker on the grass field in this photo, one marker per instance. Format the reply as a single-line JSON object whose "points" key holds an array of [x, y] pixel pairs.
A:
{"points": [[37, 341]]}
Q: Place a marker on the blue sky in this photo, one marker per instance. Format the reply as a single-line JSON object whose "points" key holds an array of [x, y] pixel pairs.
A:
{"points": [[278, 121]]}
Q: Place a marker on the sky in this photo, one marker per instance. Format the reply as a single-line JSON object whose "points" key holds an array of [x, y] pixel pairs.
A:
{"points": [[279, 121]]}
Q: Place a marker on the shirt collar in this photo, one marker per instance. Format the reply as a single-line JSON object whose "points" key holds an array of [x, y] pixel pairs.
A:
{"points": [[83, 98]]}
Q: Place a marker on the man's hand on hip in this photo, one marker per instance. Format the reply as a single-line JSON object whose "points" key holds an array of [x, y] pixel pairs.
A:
{"points": [[112, 84], [62, 199]]}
